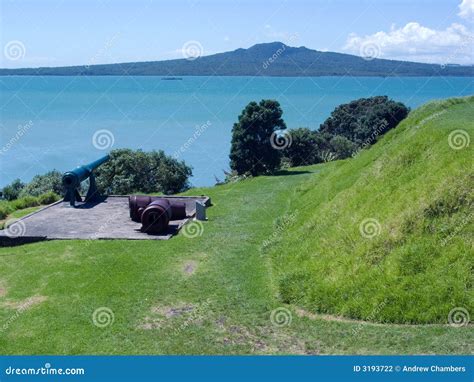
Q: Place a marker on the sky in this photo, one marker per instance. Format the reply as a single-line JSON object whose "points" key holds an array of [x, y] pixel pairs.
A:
{"points": [[37, 33]]}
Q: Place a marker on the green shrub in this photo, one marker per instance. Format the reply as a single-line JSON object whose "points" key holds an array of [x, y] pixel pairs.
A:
{"points": [[304, 148], [48, 198], [12, 191], [24, 202], [5, 209], [363, 120], [130, 171], [41, 184], [342, 147]]}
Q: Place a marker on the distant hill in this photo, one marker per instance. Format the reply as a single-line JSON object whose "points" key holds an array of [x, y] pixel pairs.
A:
{"points": [[269, 59]]}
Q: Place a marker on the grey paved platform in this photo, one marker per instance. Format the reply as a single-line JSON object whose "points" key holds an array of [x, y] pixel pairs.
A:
{"points": [[107, 219]]}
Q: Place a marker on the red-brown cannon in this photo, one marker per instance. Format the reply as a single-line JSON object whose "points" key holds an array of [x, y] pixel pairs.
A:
{"points": [[155, 212]]}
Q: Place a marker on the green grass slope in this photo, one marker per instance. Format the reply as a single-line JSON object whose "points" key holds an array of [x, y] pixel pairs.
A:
{"points": [[222, 290], [388, 236]]}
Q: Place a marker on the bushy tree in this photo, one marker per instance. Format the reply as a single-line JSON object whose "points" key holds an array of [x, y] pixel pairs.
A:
{"points": [[251, 150], [363, 120], [41, 184], [306, 147], [341, 147], [13, 190], [130, 171]]}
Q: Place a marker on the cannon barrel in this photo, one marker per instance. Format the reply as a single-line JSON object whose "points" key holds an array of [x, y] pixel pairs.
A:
{"points": [[155, 212], [156, 216], [75, 177], [72, 180], [138, 203]]}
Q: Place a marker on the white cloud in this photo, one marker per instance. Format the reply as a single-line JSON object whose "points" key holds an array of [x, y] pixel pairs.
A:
{"points": [[415, 42], [466, 9]]}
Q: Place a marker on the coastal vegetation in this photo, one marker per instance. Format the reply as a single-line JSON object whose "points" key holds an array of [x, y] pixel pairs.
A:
{"points": [[261, 143], [346, 254], [130, 171], [251, 151], [8, 208], [126, 172]]}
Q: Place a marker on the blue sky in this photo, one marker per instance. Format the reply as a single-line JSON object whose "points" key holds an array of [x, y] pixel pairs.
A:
{"points": [[70, 32]]}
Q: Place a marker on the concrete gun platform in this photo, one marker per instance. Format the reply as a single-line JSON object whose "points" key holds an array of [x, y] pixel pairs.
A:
{"points": [[106, 219]]}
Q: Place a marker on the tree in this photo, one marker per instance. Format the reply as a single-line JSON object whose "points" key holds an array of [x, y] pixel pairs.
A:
{"points": [[303, 149], [363, 120], [130, 171], [251, 149], [341, 147], [41, 184], [13, 190]]}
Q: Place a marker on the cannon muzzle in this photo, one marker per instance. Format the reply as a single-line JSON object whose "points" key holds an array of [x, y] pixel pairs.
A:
{"points": [[155, 212], [72, 181]]}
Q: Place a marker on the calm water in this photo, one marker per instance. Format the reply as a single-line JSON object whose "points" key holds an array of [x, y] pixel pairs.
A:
{"points": [[149, 113]]}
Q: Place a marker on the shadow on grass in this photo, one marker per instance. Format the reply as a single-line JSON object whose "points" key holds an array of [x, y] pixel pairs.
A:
{"points": [[295, 172]]}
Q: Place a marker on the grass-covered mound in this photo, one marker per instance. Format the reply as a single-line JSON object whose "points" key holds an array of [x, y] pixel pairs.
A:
{"points": [[387, 235], [214, 289]]}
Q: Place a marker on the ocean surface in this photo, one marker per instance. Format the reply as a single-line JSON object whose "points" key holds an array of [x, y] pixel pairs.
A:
{"points": [[60, 122]]}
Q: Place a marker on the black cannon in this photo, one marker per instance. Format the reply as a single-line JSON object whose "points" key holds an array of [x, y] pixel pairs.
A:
{"points": [[72, 182], [155, 212]]}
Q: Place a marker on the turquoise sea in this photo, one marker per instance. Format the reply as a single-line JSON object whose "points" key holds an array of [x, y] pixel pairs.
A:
{"points": [[60, 122]]}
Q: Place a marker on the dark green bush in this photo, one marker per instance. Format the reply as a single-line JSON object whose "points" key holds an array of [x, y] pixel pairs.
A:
{"points": [[342, 147], [351, 126], [251, 150], [13, 190], [363, 120], [130, 171]]}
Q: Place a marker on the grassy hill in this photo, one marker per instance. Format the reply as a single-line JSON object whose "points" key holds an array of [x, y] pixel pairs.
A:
{"points": [[279, 262], [388, 236], [268, 59]]}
